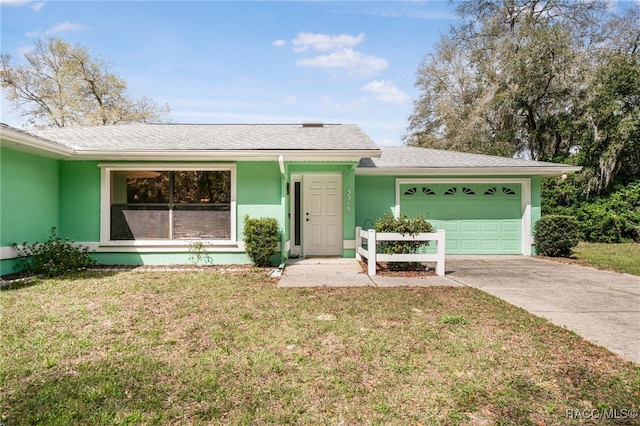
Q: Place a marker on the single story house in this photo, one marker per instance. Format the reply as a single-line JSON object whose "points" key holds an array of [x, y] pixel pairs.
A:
{"points": [[145, 193]]}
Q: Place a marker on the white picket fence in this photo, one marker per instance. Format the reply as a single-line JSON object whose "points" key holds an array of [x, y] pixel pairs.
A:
{"points": [[372, 237]]}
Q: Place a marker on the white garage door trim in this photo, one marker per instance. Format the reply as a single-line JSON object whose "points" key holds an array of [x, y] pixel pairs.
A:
{"points": [[525, 200]]}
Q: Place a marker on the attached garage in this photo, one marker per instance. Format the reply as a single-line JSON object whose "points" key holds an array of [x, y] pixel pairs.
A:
{"points": [[485, 204], [479, 218]]}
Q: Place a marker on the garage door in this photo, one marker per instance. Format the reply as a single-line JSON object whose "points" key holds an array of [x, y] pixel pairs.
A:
{"points": [[477, 218]]}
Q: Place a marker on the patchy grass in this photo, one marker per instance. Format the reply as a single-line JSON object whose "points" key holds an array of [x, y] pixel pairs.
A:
{"points": [[611, 257], [210, 348]]}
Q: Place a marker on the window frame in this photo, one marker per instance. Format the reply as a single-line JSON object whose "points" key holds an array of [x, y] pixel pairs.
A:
{"points": [[105, 202]]}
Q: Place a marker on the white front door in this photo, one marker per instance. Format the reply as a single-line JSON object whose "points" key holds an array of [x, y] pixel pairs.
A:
{"points": [[322, 215]]}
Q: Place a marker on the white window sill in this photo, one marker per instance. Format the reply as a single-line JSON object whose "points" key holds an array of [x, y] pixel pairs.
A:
{"points": [[168, 246]]}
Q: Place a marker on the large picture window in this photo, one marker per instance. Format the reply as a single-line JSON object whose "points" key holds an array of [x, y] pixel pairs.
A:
{"points": [[170, 204]]}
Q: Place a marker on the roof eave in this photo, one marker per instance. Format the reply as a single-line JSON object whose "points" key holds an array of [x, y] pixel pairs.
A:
{"points": [[25, 142], [226, 155], [468, 171]]}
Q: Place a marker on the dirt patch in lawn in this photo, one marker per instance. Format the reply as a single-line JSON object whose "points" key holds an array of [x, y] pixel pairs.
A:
{"points": [[384, 269]]}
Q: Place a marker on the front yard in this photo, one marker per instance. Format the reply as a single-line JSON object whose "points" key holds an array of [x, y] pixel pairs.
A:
{"points": [[613, 257], [211, 347]]}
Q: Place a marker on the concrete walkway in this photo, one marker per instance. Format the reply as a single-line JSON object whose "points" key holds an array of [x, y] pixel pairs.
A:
{"points": [[602, 307], [342, 272]]}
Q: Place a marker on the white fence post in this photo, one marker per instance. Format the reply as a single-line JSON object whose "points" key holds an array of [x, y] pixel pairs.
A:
{"points": [[440, 253], [372, 257], [371, 252]]}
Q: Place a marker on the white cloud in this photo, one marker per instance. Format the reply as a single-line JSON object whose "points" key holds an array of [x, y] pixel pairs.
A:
{"points": [[14, 2], [279, 43], [356, 63], [37, 7], [291, 99], [326, 100], [64, 27], [386, 92], [324, 42], [56, 29]]}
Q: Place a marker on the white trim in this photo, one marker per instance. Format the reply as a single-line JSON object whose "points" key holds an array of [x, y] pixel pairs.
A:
{"points": [[26, 142], [350, 155], [348, 244], [182, 246], [105, 201], [470, 171], [525, 200], [7, 252]]}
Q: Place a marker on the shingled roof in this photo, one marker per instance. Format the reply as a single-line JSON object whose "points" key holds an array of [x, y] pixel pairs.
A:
{"points": [[211, 137], [289, 142], [409, 159]]}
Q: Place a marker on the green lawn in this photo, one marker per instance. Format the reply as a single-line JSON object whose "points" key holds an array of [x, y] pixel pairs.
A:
{"points": [[208, 347], [612, 257]]}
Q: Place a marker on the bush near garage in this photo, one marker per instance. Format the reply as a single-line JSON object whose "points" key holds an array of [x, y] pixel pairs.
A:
{"points": [[557, 235], [403, 225]]}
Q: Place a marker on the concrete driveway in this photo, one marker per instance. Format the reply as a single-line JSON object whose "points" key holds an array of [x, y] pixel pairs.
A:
{"points": [[602, 307]]}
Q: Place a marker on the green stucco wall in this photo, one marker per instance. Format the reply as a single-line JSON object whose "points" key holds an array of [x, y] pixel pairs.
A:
{"points": [[258, 192], [375, 196], [38, 193], [80, 200], [28, 199]]}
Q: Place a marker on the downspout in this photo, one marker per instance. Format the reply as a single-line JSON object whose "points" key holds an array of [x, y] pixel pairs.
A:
{"points": [[283, 201], [276, 273]]}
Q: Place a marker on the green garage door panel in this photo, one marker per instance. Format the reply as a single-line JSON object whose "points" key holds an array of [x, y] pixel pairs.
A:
{"points": [[477, 218]]}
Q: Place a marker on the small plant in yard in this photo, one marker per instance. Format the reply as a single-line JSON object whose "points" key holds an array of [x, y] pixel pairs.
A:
{"points": [[556, 235], [54, 257], [261, 237], [453, 319], [198, 254], [403, 225]]}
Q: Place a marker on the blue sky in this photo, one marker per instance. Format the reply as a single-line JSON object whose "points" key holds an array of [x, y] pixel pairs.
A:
{"points": [[250, 62]]}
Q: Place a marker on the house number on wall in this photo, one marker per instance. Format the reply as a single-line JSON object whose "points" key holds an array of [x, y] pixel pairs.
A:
{"points": [[348, 207]]}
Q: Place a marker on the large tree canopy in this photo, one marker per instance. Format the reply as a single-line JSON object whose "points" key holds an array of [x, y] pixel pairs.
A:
{"points": [[62, 85], [547, 80]]}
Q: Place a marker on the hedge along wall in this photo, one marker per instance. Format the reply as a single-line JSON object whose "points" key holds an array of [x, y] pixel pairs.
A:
{"points": [[29, 204]]}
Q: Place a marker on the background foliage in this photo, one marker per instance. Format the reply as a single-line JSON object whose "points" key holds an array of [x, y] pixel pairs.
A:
{"points": [[612, 217], [558, 81], [63, 85]]}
